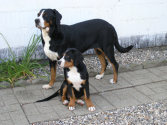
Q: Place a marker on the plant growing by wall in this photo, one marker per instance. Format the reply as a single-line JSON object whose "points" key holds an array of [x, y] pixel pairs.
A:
{"points": [[12, 70]]}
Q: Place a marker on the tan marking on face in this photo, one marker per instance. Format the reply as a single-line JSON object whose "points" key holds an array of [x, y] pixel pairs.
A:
{"points": [[46, 24], [53, 75], [102, 60], [88, 100], [72, 100], [68, 64]]}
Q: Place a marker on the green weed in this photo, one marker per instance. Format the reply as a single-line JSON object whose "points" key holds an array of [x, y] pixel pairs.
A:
{"points": [[12, 70]]}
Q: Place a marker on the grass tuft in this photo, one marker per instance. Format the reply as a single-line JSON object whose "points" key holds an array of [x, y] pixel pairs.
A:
{"points": [[12, 70]]}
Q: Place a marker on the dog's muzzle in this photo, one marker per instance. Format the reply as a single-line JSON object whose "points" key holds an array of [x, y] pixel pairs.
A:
{"points": [[37, 22]]}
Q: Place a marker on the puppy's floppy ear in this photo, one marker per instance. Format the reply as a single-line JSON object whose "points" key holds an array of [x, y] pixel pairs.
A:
{"points": [[58, 18], [78, 58]]}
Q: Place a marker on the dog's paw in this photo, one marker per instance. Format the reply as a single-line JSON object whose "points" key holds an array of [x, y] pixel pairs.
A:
{"points": [[92, 108], [46, 86], [65, 102], [100, 76], [112, 81], [80, 102], [71, 108]]}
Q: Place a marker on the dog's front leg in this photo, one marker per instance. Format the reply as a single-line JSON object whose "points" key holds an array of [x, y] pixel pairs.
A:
{"points": [[53, 65], [71, 105], [88, 101]]}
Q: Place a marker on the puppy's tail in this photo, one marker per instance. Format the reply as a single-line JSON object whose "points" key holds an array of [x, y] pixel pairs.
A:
{"points": [[120, 48], [50, 97]]}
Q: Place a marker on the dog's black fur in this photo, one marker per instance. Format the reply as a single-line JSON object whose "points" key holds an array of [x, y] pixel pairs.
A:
{"points": [[96, 33], [73, 59]]}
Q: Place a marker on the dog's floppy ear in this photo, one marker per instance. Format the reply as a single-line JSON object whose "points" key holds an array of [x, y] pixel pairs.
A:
{"points": [[78, 58], [58, 18]]}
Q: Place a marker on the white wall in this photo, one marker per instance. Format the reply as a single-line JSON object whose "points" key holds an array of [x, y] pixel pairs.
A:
{"points": [[130, 17]]}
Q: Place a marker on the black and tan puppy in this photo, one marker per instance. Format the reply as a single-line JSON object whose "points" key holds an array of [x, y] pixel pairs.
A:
{"points": [[77, 78], [97, 34], [76, 84]]}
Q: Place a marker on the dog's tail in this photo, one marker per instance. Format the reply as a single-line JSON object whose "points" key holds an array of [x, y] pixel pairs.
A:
{"points": [[50, 97], [120, 48]]}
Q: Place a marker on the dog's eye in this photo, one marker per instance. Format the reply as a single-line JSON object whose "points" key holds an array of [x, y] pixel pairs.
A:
{"points": [[38, 14], [67, 58]]}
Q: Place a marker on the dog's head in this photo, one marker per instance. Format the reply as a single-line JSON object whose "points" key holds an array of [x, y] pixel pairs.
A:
{"points": [[72, 57], [48, 18]]}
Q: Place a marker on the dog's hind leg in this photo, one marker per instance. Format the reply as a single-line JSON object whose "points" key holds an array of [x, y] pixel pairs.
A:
{"points": [[109, 52], [103, 62]]}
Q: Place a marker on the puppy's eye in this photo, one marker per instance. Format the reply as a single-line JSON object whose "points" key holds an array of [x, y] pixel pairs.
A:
{"points": [[67, 58], [38, 14]]}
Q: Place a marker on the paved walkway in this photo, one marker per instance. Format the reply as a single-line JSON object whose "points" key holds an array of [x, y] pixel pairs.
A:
{"points": [[133, 88]]}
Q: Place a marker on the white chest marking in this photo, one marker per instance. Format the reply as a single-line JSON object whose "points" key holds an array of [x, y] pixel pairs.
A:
{"points": [[50, 54], [75, 78]]}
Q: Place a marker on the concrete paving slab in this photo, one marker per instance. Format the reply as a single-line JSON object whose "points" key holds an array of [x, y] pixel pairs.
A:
{"points": [[6, 122], [19, 118], [104, 84], [133, 88], [159, 71], [140, 77], [27, 96], [102, 103], [60, 109]]}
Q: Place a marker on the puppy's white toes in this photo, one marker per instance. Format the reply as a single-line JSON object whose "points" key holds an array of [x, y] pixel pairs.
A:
{"points": [[79, 101], [65, 102], [91, 109], [71, 108], [112, 81], [100, 76], [46, 86]]}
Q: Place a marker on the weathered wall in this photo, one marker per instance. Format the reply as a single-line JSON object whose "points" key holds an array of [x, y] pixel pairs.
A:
{"points": [[139, 22]]}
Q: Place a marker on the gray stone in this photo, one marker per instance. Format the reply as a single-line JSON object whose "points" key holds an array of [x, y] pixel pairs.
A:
{"points": [[101, 102], [121, 98], [19, 118], [6, 122], [4, 116], [5, 84], [30, 109], [60, 109]]}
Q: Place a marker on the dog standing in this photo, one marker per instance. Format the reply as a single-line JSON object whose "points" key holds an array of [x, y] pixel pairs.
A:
{"points": [[76, 83], [96, 33]]}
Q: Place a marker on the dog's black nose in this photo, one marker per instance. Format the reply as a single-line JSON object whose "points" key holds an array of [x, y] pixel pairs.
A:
{"points": [[59, 62], [37, 21]]}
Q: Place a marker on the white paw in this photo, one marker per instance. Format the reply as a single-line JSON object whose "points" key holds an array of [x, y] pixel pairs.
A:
{"points": [[79, 101], [71, 108], [46, 86], [65, 102], [112, 81], [91, 108], [100, 76]]}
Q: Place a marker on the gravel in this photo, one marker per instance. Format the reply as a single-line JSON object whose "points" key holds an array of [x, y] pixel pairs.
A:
{"points": [[135, 56], [150, 114]]}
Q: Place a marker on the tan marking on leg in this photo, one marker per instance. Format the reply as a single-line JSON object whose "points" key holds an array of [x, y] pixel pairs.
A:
{"points": [[72, 100], [114, 70], [53, 75], [102, 60], [83, 82], [64, 94], [88, 100]]}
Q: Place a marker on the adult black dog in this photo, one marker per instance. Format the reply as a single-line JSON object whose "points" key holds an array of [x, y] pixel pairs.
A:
{"points": [[96, 33]]}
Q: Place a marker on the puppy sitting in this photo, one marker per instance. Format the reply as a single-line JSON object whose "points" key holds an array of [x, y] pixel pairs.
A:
{"points": [[76, 84], [76, 78]]}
